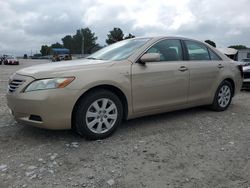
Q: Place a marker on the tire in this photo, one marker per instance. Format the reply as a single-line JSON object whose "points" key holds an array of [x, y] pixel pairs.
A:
{"points": [[95, 121], [223, 96]]}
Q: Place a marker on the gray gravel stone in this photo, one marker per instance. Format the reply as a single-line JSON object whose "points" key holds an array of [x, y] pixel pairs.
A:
{"points": [[189, 148]]}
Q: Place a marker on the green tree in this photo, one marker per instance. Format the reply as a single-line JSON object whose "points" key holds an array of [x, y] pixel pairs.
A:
{"points": [[129, 36], [212, 43], [74, 43], [238, 47], [114, 36], [89, 41], [77, 42], [68, 42], [56, 45], [96, 48], [45, 50]]}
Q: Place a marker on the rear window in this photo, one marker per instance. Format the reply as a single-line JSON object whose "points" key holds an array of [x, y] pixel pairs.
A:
{"points": [[213, 55], [197, 51]]}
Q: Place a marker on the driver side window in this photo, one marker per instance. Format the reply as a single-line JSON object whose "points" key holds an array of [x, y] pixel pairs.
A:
{"points": [[169, 50]]}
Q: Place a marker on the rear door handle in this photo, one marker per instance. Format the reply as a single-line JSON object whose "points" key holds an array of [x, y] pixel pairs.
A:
{"points": [[220, 66], [183, 69]]}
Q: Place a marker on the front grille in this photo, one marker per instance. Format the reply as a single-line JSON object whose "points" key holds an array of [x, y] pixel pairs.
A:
{"points": [[14, 84]]}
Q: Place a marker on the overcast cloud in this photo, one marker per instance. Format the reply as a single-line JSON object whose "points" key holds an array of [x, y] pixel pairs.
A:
{"points": [[27, 24]]}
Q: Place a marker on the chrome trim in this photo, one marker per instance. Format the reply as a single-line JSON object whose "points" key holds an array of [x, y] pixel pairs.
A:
{"points": [[14, 84]]}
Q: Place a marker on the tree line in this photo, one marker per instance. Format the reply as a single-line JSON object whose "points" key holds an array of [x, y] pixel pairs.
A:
{"points": [[74, 43]]}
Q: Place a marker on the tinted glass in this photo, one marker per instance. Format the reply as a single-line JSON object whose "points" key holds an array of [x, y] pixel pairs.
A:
{"points": [[214, 56], [169, 50], [120, 50], [197, 51]]}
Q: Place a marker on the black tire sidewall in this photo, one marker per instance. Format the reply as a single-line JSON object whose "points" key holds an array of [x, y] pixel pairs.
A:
{"points": [[80, 114], [216, 105]]}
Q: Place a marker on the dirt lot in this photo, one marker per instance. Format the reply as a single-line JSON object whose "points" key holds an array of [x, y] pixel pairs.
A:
{"points": [[189, 148]]}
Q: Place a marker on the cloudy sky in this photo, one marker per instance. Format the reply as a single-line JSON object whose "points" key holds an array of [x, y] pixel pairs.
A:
{"points": [[27, 24]]}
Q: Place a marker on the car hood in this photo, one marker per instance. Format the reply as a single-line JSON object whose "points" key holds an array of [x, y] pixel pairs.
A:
{"points": [[63, 68]]}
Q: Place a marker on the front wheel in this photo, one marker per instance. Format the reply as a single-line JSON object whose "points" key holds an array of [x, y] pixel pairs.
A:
{"points": [[98, 114], [223, 96]]}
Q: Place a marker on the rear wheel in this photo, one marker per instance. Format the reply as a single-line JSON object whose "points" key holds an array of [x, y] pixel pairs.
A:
{"points": [[98, 114], [223, 96]]}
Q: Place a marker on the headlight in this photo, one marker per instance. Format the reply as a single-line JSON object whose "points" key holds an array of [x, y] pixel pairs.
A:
{"points": [[51, 83]]}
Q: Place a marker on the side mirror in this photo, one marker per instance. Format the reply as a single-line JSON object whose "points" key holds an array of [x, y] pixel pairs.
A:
{"points": [[150, 57]]}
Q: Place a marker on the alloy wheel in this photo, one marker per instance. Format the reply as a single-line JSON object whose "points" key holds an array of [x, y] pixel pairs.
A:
{"points": [[224, 96], [101, 115]]}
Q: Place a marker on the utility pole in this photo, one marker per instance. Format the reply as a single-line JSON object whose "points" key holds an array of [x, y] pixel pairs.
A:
{"points": [[82, 43]]}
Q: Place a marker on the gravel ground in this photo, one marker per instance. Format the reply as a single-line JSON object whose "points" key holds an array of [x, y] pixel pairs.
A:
{"points": [[189, 148]]}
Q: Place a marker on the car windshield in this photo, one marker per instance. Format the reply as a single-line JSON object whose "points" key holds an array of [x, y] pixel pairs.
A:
{"points": [[119, 51]]}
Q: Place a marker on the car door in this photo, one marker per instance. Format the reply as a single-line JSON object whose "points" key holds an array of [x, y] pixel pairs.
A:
{"points": [[161, 84], [205, 70]]}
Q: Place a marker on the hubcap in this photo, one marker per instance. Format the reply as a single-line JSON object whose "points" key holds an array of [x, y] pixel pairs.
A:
{"points": [[224, 96], [101, 115]]}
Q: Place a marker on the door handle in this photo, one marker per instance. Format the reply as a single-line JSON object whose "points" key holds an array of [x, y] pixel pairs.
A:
{"points": [[220, 66], [183, 68]]}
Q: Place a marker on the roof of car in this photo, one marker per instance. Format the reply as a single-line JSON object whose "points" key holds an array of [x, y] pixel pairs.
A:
{"points": [[160, 37], [166, 37]]}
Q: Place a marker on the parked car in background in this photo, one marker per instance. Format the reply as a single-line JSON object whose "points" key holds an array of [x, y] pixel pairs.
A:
{"points": [[246, 73], [246, 81], [11, 60], [128, 79], [61, 57], [245, 61], [60, 54]]}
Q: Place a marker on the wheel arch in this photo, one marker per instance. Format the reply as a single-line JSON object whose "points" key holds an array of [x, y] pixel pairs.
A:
{"points": [[117, 91], [231, 81]]}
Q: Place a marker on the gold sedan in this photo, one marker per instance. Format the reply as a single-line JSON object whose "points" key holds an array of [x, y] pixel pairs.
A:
{"points": [[131, 78]]}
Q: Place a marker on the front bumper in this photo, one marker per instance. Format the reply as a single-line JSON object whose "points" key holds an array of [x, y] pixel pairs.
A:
{"points": [[50, 109]]}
